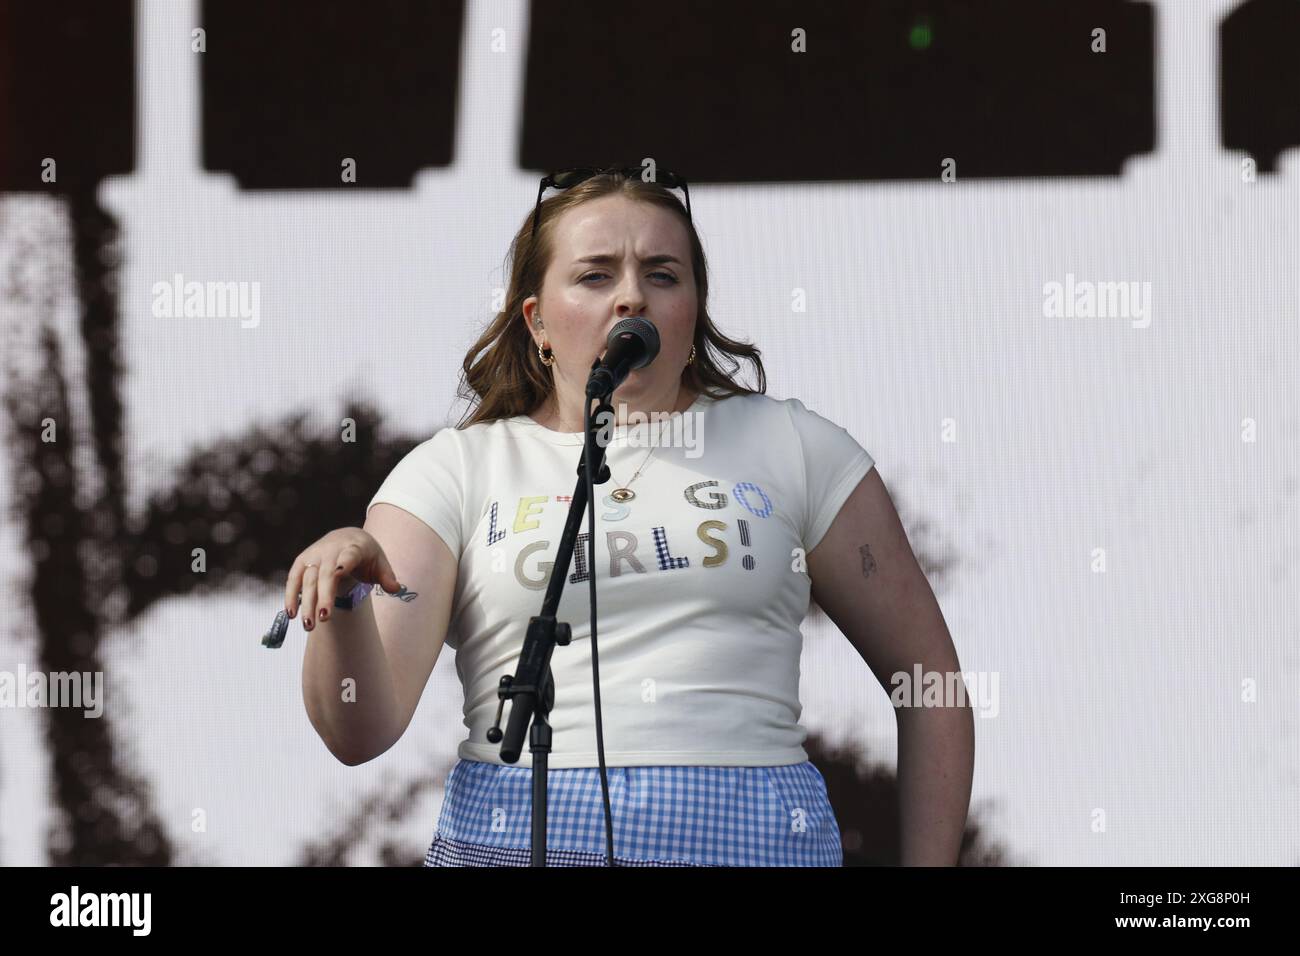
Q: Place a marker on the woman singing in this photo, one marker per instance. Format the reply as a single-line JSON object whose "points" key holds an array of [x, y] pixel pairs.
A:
{"points": [[727, 510]]}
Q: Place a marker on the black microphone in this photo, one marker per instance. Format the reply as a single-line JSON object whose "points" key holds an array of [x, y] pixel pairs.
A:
{"points": [[632, 344]]}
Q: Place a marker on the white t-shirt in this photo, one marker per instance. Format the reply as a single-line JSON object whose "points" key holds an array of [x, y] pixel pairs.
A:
{"points": [[700, 581]]}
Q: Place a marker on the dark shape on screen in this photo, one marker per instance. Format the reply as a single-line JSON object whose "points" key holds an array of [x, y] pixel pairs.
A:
{"points": [[252, 501], [1259, 80], [70, 507], [864, 795], [884, 91], [291, 90], [67, 93], [374, 819]]}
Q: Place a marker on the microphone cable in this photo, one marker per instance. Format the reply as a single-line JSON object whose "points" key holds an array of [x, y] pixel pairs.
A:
{"points": [[590, 443]]}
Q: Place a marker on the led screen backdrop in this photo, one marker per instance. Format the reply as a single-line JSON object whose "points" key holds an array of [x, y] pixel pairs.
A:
{"points": [[1040, 262]]}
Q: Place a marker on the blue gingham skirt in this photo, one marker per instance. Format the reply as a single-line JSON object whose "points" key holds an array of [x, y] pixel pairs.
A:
{"points": [[663, 816]]}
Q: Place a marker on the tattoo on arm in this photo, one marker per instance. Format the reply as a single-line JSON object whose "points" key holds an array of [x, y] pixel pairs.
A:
{"points": [[868, 562]]}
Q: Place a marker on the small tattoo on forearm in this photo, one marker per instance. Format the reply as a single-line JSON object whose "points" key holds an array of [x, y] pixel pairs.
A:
{"points": [[868, 562]]}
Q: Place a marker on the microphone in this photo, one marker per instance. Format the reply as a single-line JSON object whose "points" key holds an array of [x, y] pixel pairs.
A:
{"points": [[632, 344]]}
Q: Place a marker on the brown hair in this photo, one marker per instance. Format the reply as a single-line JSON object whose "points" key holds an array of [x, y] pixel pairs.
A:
{"points": [[502, 368]]}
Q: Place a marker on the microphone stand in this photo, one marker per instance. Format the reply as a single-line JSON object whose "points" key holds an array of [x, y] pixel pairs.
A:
{"points": [[532, 690]]}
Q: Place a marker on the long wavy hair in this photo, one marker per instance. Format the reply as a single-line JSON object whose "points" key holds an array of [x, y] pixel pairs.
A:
{"points": [[502, 376]]}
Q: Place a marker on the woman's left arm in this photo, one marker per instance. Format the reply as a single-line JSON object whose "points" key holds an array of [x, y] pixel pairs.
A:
{"points": [[867, 580]]}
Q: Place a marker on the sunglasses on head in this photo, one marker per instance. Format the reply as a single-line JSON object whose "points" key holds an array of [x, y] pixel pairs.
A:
{"points": [[568, 178]]}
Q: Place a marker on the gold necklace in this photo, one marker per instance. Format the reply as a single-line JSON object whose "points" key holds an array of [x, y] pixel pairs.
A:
{"points": [[623, 492]]}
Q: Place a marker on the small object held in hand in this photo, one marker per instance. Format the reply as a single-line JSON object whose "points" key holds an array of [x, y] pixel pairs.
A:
{"points": [[275, 636], [347, 602]]}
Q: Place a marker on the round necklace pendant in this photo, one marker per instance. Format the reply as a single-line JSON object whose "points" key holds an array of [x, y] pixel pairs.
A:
{"points": [[622, 494]]}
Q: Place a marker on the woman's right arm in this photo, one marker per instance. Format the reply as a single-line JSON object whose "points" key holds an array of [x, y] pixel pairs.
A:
{"points": [[366, 669]]}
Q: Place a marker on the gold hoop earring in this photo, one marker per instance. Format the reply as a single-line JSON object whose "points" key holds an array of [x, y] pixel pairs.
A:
{"points": [[692, 358], [547, 359]]}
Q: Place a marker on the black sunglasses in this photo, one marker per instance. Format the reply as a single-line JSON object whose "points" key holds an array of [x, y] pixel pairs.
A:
{"points": [[568, 178]]}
